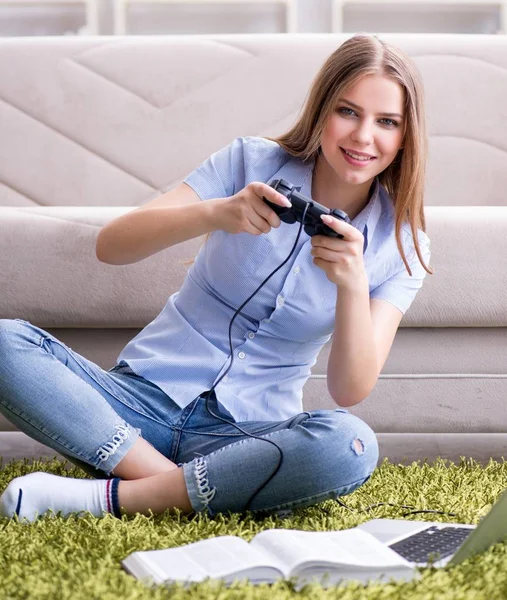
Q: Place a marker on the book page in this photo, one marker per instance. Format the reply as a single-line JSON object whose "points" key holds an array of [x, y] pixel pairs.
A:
{"points": [[217, 557], [351, 547]]}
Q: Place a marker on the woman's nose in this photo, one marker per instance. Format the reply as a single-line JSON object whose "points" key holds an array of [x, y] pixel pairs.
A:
{"points": [[363, 133]]}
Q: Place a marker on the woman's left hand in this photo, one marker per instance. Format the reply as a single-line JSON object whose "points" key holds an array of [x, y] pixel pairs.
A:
{"points": [[341, 259]]}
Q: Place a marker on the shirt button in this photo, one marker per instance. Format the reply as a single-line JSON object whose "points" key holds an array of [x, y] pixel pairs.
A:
{"points": [[280, 301], [251, 335], [297, 269], [242, 355], [226, 378]]}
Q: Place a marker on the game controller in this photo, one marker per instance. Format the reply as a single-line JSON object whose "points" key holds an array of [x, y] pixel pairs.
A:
{"points": [[313, 224]]}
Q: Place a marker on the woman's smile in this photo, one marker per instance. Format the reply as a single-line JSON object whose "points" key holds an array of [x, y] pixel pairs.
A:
{"points": [[354, 160]]}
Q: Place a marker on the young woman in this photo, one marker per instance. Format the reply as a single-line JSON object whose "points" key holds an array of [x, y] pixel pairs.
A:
{"points": [[171, 426]]}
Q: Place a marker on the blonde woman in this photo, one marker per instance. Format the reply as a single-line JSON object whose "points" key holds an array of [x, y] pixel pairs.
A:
{"points": [[171, 426]]}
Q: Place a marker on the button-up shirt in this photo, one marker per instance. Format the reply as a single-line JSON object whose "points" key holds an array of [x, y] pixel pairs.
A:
{"points": [[278, 334]]}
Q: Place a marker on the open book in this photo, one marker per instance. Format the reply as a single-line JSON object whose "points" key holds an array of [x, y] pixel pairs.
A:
{"points": [[326, 557]]}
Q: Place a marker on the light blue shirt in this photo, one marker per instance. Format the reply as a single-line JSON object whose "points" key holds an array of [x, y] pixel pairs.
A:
{"points": [[277, 336]]}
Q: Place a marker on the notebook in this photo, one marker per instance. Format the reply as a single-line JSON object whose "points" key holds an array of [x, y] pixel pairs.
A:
{"points": [[422, 542]]}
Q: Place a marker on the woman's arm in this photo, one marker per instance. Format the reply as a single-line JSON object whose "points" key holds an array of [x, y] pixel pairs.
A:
{"points": [[172, 218], [364, 330], [363, 336], [180, 215]]}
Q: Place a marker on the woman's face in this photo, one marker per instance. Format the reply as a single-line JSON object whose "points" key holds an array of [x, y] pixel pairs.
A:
{"points": [[368, 121]]}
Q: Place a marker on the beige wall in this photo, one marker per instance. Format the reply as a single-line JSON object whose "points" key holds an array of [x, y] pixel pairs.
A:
{"points": [[314, 17]]}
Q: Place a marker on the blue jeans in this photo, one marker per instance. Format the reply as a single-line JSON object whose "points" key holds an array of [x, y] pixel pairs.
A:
{"points": [[93, 417]]}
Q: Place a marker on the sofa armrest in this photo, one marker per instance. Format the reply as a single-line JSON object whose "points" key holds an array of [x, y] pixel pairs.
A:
{"points": [[52, 277], [469, 255]]}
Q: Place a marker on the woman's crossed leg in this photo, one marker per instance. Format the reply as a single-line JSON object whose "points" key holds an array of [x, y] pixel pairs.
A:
{"points": [[214, 466]]}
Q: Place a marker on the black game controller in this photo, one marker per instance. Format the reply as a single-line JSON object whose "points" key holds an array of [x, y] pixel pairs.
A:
{"points": [[313, 224]]}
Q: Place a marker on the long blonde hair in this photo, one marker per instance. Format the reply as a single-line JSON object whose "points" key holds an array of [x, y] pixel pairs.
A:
{"points": [[365, 54]]}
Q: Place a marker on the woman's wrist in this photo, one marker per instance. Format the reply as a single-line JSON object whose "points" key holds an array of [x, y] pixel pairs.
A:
{"points": [[356, 286], [214, 212]]}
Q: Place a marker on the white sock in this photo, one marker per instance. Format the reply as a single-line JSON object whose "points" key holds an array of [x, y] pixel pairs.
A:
{"points": [[34, 494]]}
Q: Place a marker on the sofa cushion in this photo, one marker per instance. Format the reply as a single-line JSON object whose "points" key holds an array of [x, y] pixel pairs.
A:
{"points": [[55, 256]]}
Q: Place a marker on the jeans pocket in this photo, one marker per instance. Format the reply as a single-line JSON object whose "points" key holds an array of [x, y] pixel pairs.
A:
{"points": [[123, 368]]}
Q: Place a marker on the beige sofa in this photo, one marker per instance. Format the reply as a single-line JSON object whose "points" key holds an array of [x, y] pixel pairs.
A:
{"points": [[91, 127]]}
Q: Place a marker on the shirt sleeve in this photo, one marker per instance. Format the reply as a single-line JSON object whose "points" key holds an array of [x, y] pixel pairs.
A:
{"points": [[401, 288], [223, 173]]}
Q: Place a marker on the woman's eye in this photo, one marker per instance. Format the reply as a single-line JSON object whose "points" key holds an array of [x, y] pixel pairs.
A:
{"points": [[390, 122], [344, 110], [348, 111]]}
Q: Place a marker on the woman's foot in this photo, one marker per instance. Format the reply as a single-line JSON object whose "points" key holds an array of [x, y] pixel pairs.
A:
{"points": [[33, 495]]}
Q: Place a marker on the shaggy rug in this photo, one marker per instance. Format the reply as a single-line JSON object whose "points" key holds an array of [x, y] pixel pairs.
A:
{"points": [[57, 558]]}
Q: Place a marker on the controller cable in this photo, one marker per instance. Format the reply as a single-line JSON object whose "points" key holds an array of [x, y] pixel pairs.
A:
{"points": [[208, 393], [411, 512], [256, 437]]}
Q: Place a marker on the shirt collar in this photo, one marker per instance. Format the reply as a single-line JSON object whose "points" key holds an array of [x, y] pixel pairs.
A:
{"points": [[366, 221]]}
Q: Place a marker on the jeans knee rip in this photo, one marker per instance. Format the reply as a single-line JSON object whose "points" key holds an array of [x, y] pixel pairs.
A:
{"points": [[357, 446], [204, 491], [108, 449]]}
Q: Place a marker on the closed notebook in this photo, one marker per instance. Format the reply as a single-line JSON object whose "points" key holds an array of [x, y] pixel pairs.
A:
{"points": [[324, 557]]}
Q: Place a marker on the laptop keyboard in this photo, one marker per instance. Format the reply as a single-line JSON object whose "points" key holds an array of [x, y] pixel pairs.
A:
{"points": [[427, 544]]}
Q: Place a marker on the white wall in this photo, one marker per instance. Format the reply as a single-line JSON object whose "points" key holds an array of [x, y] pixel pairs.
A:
{"points": [[314, 16]]}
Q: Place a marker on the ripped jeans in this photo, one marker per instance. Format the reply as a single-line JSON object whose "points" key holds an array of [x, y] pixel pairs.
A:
{"points": [[93, 417]]}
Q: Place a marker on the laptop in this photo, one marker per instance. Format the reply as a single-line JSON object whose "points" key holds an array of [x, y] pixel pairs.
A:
{"points": [[424, 543]]}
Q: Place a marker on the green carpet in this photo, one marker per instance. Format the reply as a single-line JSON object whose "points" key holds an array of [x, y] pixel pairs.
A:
{"points": [[79, 558]]}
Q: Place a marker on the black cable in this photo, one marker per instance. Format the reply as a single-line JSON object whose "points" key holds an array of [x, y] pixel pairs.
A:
{"points": [[208, 393], [412, 512], [280, 461]]}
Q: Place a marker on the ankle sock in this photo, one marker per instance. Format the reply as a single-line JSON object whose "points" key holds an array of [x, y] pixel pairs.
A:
{"points": [[33, 495]]}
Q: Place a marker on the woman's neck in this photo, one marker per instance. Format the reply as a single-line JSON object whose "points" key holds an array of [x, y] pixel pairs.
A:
{"points": [[331, 192]]}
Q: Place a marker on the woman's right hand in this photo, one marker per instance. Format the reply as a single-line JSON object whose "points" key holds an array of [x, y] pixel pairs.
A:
{"points": [[247, 212]]}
